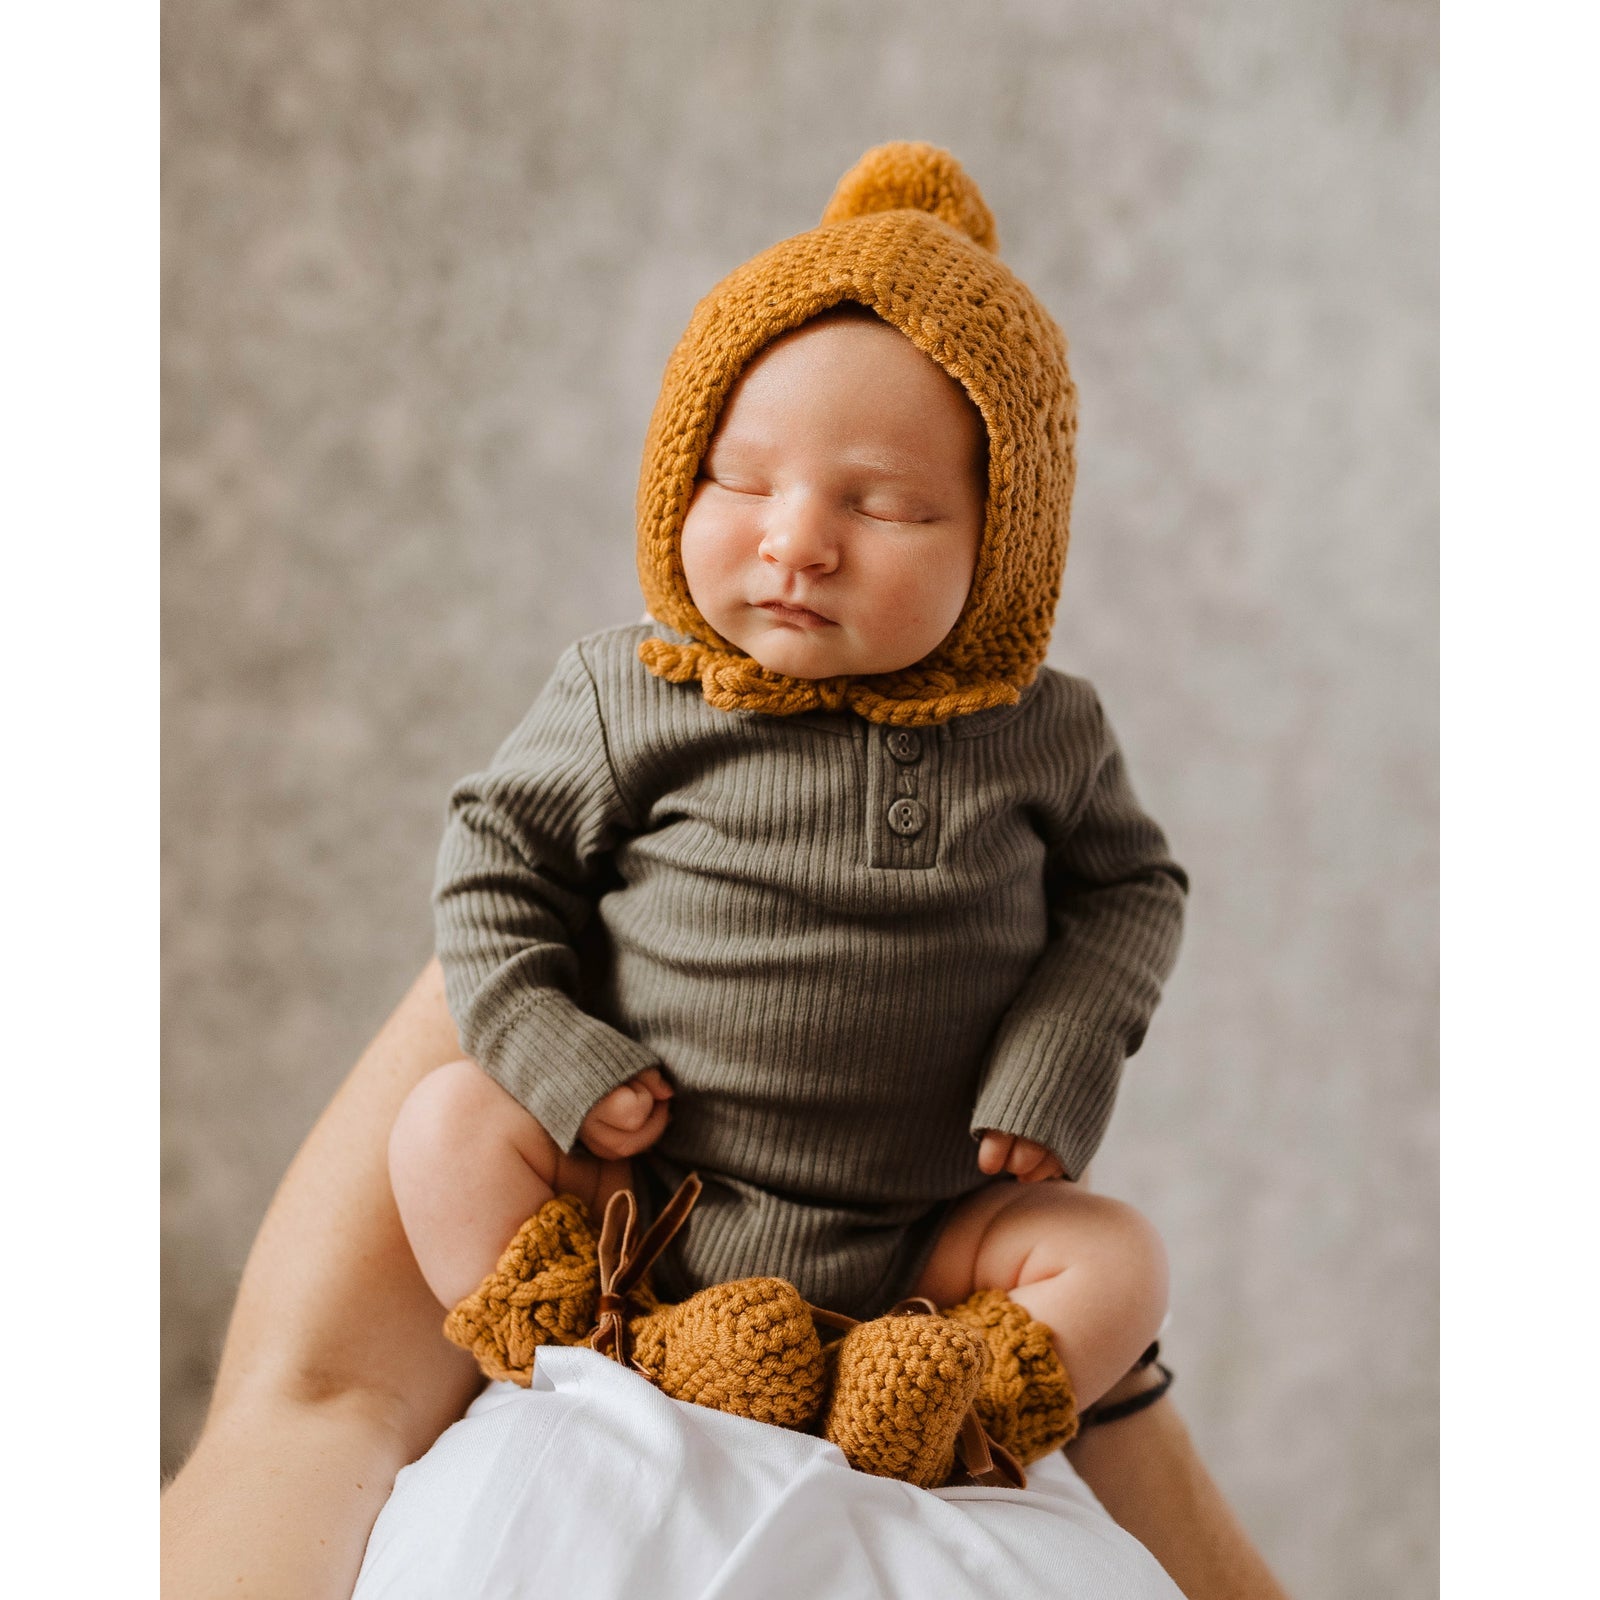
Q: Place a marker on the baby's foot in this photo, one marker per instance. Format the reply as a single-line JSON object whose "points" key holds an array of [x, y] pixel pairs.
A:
{"points": [[544, 1290], [1025, 1401], [749, 1347], [903, 1385]]}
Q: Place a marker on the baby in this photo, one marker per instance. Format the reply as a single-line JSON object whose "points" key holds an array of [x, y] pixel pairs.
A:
{"points": [[820, 875]]}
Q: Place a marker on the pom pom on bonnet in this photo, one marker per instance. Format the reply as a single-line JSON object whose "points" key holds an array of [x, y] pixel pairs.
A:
{"points": [[908, 236]]}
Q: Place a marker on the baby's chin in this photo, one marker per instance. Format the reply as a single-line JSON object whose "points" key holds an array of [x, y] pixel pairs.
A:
{"points": [[797, 652], [808, 664], [812, 659]]}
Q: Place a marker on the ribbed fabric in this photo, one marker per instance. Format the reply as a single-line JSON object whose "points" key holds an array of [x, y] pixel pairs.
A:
{"points": [[641, 878]]}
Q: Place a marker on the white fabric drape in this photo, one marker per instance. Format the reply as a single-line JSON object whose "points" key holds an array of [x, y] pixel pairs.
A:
{"points": [[593, 1485]]}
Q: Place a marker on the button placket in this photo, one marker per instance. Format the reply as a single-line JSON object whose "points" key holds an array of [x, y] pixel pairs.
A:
{"points": [[903, 798], [904, 744]]}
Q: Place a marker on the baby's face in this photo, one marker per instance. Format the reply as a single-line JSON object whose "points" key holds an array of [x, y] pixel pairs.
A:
{"points": [[835, 524]]}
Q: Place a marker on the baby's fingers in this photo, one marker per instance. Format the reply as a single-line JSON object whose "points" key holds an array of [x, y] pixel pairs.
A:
{"points": [[626, 1107], [612, 1143], [993, 1151], [653, 1080], [1046, 1167], [1025, 1156]]}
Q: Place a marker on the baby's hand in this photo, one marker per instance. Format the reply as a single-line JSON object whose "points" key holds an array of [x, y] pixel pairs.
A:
{"points": [[629, 1119], [1022, 1158]]}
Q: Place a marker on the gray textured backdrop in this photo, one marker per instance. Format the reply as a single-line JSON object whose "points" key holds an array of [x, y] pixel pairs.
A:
{"points": [[424, 264]]}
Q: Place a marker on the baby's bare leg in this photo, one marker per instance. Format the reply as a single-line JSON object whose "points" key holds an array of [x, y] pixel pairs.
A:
{"points": [[469, 1166], [1090, 1268]]}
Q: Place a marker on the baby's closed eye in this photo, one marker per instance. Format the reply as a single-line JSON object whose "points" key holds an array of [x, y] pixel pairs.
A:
{"points": [[732, 483], [895, 511]]}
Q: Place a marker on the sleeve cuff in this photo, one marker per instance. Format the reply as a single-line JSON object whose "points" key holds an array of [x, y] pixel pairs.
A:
{"points": [[1052, 1082], [558, 1061]]}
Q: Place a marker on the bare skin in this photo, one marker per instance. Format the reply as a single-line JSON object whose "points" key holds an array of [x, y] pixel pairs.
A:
{"points": [[502, 1167], [834, 530], [1088, 1267], [836, 519], [334, 1376], [1145, 1472]]}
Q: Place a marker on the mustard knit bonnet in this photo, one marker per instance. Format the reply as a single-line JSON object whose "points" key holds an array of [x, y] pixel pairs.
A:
{"points": [[907, 235]]}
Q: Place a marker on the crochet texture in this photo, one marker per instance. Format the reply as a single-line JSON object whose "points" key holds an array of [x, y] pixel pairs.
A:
{"points": [[544, 1290], [902, 1385], [1025, 1399], [748, 1347], [906, 234]]}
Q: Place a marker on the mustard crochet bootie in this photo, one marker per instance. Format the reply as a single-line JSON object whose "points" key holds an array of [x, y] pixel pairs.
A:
{"points": [[543, 1290], [1025, 1399], [748, 1347], [902, 1386]]}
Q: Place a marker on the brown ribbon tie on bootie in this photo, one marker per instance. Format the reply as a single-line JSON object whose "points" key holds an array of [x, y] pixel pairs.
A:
{"points": [[623, 1262], [981, 1458]]}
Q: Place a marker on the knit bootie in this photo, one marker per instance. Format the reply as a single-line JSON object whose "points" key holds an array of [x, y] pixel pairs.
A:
{"points": [[749, 1348], [543, 1290], [1025, 1400], [902, 1386]]}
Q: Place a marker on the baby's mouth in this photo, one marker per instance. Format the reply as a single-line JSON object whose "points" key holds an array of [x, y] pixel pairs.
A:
{"points": [[799, 616]]}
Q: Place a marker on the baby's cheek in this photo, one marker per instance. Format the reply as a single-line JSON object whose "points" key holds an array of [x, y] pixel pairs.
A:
{"points": [[936, 581], [950, 574], [707, 556]]}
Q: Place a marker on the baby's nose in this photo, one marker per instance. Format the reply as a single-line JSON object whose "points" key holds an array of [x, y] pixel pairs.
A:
{"points": [[800, 535]]}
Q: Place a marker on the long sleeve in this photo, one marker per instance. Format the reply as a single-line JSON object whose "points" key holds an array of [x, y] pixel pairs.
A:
{"points": [[523, 858], [1115, 900]]}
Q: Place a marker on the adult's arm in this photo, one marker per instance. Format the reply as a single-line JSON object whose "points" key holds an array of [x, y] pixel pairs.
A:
{"points": [[334, 1374], [1145, 1471]]}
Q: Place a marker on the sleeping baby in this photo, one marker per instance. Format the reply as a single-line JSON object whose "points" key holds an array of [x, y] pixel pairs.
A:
{"points": [[818, 883]]}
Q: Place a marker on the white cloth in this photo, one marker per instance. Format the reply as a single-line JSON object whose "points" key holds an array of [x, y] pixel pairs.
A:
{"points": [[593, 1485]]}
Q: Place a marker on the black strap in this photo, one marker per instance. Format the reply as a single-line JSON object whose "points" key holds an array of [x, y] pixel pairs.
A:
{"points": [[1100, 1412]]}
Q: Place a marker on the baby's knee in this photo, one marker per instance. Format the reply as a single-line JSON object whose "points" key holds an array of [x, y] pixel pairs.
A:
{"points": [[1107, 1252], [1131, 1256], [451, 1121]]}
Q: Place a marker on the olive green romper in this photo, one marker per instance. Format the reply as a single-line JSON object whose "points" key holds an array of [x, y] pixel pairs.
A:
{"points": [[851, 947]]}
